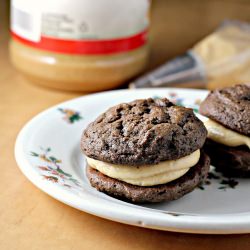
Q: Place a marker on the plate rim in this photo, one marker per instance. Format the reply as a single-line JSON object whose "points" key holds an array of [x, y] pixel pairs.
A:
{"points": [[220, 224]]}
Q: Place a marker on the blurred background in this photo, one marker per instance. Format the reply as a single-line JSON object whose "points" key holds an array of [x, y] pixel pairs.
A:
{"points": [[175, 27], [30, 218]]}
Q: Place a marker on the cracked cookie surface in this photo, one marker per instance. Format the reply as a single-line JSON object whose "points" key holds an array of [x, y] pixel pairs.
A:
{"points": [[230, 107], [142, 132]]}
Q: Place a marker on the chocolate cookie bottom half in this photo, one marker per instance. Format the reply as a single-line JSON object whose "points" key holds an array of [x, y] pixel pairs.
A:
{"points": [[231, 161], [164, 192]]}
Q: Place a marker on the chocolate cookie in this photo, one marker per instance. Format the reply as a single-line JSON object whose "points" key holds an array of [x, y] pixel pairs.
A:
{"points": [[143, 132], [165, 192], [231, 161], [230, 107]]}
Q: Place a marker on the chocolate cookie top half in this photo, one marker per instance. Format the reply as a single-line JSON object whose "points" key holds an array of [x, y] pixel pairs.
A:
{"points": [[230, 107], [143, 132]]}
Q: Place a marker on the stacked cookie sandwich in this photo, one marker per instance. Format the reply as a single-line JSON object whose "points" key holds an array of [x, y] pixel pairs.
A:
{"points": [[228, 143], [146, 151]]}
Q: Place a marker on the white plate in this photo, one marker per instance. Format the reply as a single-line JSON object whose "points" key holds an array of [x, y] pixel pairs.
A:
{"points": [[48, 153]]}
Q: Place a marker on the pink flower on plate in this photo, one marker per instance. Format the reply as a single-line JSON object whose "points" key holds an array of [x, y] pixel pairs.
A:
{"points": [[172, 94], [62, 176], [54, 172], [51, 178], [44, 168]]}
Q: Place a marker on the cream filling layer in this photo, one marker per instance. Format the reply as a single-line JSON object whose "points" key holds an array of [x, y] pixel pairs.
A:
{"points": [[147, 175], [225, 136]]}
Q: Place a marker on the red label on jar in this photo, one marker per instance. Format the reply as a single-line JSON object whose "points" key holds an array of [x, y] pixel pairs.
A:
{"points": [[91, 47]]}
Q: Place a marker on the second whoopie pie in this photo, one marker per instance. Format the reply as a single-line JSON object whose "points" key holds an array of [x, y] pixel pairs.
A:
{"points": [[228, 143], [146, 151]]}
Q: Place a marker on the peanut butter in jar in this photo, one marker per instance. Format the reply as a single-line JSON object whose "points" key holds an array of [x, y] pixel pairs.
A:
{"points": [[83, 46]]}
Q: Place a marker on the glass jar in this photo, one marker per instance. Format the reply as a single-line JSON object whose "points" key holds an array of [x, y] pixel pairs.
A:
{"points": [[79, 45]]}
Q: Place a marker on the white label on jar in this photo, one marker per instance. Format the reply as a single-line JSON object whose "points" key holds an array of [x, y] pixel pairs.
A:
{"points": [[26, 19], [79, 19]]}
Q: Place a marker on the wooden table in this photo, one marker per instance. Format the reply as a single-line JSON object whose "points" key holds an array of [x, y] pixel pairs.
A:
{"points": [[30, 219]]}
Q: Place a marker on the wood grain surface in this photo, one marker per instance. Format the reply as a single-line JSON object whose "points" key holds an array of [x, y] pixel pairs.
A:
{"points": [[30, 219]]}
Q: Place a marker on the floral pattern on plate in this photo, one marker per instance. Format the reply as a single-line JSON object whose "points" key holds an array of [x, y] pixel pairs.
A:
{"points": [[52, 171], [222, 207], [70, 116], [175, 98]]}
